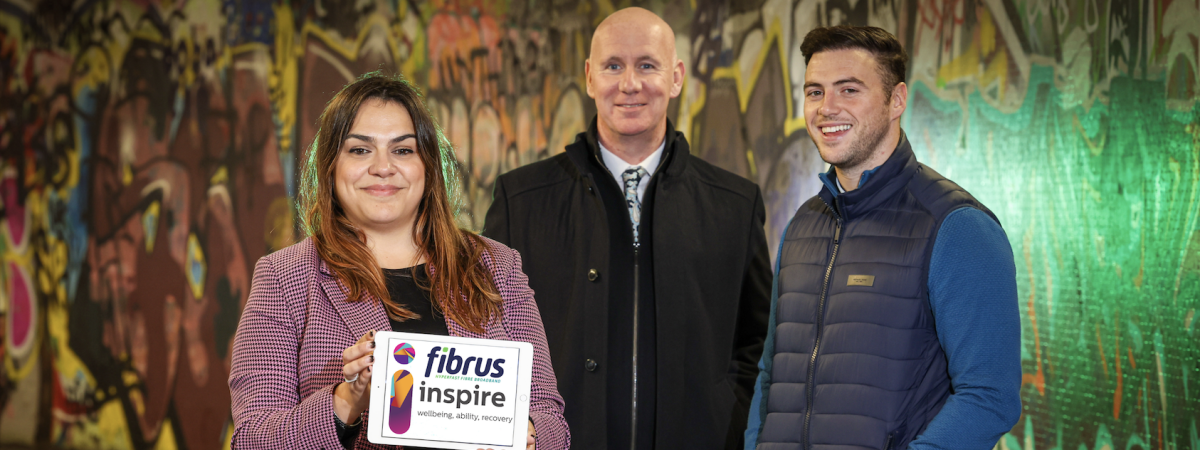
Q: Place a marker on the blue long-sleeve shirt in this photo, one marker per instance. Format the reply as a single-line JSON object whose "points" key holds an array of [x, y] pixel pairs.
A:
{"points": [[973, 295]]}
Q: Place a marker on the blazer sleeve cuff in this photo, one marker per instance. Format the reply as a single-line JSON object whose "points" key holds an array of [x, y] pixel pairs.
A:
{"points": [[551, 431], [305, 426]]}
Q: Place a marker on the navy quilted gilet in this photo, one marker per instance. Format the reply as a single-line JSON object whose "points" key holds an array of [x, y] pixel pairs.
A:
{"points": [[857, 362]]}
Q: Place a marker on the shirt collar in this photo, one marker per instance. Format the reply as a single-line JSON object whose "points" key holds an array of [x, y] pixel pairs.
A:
{"points": [[617, 166]]}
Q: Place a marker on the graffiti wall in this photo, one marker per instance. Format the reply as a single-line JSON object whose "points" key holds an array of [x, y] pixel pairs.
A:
{"points": [[148, 152]]}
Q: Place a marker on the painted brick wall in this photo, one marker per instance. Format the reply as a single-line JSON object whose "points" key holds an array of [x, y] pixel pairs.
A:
{"points": [[148, 153]]}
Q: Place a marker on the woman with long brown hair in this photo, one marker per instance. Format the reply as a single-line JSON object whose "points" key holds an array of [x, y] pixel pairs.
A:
{"points": [[383, 252]]}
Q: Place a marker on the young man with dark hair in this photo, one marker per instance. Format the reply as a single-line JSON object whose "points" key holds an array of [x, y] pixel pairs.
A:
{"points": [[894, 322]]}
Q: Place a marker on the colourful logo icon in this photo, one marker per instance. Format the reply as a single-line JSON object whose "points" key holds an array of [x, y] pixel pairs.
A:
{"points": [[404, 353], [400, 406]]}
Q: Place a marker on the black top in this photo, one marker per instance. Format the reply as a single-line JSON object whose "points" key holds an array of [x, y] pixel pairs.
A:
{"points": [[403, 289]]}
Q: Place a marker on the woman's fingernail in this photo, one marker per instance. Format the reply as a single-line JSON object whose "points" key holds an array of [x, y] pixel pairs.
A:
{"points": [[372, 333], [372, 344], [372, 358], [368, 368]]}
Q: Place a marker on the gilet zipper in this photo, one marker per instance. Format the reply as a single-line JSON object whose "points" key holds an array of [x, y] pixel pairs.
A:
{"points": [[812, 362]]}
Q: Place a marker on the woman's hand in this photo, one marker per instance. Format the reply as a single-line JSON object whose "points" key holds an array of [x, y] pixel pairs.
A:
{"points": [[351, 398], [528, 438]]}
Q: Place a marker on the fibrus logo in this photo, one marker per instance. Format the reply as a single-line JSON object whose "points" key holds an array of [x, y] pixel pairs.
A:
{"points": [[400, 417], [452, 364]]}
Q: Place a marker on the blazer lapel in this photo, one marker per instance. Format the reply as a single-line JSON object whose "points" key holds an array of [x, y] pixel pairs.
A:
{"points": [[360, 316], [366, 315]]}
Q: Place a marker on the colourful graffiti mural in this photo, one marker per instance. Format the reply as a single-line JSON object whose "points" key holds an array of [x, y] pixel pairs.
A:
{"points": [[148, 152]]}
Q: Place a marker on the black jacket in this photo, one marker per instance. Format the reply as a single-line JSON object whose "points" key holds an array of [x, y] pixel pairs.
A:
{"points": [[710, 287]]}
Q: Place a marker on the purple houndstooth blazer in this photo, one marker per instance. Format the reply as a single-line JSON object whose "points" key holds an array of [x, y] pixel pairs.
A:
{"points": [[287, 355]]}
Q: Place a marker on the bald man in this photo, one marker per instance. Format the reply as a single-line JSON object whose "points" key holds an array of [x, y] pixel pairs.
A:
{"points": [[649, 265]]}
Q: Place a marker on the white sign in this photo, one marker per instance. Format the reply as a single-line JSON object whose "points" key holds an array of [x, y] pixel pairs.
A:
{"points": [[449, 392]]}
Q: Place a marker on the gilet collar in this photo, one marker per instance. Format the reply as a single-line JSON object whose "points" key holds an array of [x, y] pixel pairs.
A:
{"points": [[886, 181]]}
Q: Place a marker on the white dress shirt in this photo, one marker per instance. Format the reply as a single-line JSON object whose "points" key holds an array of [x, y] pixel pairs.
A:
{"points": [[617, 166]]}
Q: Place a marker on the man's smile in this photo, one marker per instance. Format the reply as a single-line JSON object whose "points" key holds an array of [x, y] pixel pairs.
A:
{"points": [[834, 129]]}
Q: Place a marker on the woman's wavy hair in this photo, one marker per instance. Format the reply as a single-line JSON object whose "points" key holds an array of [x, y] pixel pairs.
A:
{"points": [[460, 286]]}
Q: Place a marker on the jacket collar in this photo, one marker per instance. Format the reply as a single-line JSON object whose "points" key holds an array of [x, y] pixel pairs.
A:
{"points": [[360, 316], [586, 150], [829, 178], [884, 182]]}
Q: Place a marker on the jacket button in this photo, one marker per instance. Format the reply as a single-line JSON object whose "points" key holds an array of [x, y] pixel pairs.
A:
{"points": [[593, 275], [590, 365]]}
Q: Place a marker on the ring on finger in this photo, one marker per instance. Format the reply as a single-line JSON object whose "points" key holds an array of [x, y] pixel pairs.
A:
{"points": [[350, 380]]}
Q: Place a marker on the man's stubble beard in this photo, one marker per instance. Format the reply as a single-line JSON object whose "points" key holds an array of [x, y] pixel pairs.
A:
{"points": [[861, 149]]}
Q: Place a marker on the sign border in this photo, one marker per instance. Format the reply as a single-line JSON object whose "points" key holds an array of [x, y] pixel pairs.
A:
{"points": [[379, 384]]}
